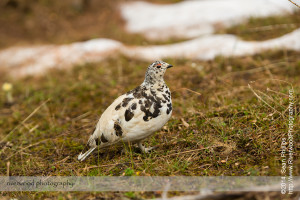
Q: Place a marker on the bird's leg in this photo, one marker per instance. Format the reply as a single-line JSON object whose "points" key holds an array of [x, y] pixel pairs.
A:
{"points": [[126, 147], [143, 149]]}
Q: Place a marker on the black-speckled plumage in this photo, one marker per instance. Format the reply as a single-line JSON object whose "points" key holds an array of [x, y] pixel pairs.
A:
{"points": [[135, 115]]}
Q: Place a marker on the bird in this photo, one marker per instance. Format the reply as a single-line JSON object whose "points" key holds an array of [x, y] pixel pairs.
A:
{"points": [[135, 115]]}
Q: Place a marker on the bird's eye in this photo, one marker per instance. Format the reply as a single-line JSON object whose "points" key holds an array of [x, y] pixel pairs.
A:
{"points": [[158, 66]]}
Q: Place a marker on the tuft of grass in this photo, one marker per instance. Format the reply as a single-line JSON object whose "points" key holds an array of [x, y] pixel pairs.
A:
{"points": [[128, 172]]}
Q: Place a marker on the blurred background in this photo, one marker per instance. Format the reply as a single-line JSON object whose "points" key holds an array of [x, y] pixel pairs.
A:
{"points": [[59, 22], [52, 34], [44, 22]]}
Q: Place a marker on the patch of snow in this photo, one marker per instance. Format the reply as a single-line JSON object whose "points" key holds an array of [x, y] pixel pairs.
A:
{"points": [[189, 19], [210, 46], [21, 61]]}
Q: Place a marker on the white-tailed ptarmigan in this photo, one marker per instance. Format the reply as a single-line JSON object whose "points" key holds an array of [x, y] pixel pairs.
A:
{"points": [[135, 115]]}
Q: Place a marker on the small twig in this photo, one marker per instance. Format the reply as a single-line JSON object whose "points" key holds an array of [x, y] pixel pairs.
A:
{"points": [[185, 123], [263, 100], [275, 79], [63, 160], [28, 117], [189, 151], [81, 116], [28, 147], [31, 145], [91, 167], [270, 90], [231, 91], [258, 69], [8, 165], [271, 99], [272, 27], [33, 128], [187, 90], [294, 3]]}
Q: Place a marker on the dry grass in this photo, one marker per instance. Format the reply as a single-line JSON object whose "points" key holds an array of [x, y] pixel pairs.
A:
{"points": [[226, 130], [269, 28], [220, 126]]}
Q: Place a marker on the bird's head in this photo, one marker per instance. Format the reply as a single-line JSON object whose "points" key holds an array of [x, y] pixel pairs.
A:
{"points": [[155, 72]]}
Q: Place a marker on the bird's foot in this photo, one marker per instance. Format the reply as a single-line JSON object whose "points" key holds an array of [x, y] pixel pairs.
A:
{"points": [[144, 149], [149, 149]]}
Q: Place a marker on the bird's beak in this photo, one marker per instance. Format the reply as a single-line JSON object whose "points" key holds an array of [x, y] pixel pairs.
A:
{"points": [[169, 66]]}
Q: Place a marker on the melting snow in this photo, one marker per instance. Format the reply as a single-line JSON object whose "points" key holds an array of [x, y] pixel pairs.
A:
{"points": [[23, 61], [208, 47], [189, 19]]}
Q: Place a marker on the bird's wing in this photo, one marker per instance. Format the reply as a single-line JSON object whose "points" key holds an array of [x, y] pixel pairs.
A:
{"points": [[131, 119]]}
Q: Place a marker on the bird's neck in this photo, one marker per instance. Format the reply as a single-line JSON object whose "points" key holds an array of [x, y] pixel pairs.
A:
{"points": [[155, 84]]}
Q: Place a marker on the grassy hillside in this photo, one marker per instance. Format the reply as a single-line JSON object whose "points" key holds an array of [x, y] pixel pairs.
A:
{"points": [[219, 126], [229, 115]]}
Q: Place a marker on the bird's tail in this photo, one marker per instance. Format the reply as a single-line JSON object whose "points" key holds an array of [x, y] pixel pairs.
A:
{"points": [[83, 156], [89, 148]]}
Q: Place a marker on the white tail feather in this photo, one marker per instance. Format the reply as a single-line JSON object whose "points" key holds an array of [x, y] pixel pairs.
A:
{"points": [[83, 156]]}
